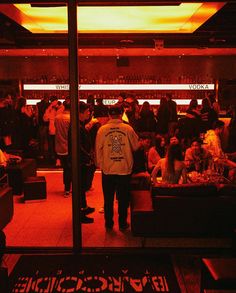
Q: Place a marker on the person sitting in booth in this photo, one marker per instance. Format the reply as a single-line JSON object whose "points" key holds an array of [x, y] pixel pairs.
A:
{"points": [[3, 159], [213, 145], [156, 152], [196, 157], [173, 169], [173, 140], [140, 155], [6, 158]]}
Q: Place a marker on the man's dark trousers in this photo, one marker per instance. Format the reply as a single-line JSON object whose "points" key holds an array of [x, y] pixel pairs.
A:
{"points": [[119, 184]]}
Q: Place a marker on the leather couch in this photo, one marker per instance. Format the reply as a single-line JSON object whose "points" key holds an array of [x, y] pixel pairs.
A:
{"points": [[195, 210]]}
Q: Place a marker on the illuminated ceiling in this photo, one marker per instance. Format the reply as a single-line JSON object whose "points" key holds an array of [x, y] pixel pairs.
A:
{"points": [[215, 36], [183, 18]]}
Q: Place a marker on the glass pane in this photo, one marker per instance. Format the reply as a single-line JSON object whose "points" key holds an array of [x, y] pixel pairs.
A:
{"points": [[42, 214]]}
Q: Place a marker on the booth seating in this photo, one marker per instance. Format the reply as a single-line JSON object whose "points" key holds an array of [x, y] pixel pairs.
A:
{"points": [[17, 173], [35, 188], [195, 210], [6, 206], [218, 274], [141, 204]]}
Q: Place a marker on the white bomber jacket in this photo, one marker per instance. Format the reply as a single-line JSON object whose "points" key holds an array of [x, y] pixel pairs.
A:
{"points": [[115, 143]]}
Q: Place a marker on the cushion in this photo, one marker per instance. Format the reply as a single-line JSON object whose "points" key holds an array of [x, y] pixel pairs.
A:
{"points": [[190, 189]]}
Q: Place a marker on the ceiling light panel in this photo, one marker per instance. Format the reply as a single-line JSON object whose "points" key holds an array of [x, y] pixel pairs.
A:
{"points": [[184, 18]]}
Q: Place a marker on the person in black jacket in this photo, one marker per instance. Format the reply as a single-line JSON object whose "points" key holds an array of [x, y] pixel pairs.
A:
{"points": [[140, 155], [7, 120], [172, 114], [42, 126], [100, 110], [86, 160], [146, 121], [163, 117], [208, 116]]}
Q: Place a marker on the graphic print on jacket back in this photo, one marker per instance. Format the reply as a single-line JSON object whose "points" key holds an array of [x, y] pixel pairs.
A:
{"points": [[116, 144]]}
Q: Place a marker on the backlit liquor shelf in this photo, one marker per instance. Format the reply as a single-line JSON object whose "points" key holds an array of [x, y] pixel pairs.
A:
{"points": [[109, 92]]}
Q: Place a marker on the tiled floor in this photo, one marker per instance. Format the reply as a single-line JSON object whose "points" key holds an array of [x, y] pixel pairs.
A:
{"points": [[49, 223]]}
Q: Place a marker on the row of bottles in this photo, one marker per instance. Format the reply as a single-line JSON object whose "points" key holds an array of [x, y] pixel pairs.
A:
{"points": [[126, 79], [147, 79], [144, 95]]}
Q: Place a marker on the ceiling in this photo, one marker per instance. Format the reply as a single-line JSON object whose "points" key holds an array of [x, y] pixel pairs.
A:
{"points": [[217, 36]]}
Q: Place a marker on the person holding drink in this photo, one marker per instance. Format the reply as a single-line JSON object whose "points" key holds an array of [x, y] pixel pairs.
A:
{"points": [[196, 157]]}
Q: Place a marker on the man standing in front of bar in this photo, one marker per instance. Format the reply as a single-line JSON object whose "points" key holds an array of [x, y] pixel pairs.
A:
{"points": [[115, 143]]}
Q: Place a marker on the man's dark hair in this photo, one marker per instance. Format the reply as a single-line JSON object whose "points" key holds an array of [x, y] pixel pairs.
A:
{"points": [[196, 139], [83, 107], [66, 104], [115, 110], [53, 98]]}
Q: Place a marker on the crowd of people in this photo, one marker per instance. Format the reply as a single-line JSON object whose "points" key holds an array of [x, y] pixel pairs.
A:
{"points": [[122, 139]]}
